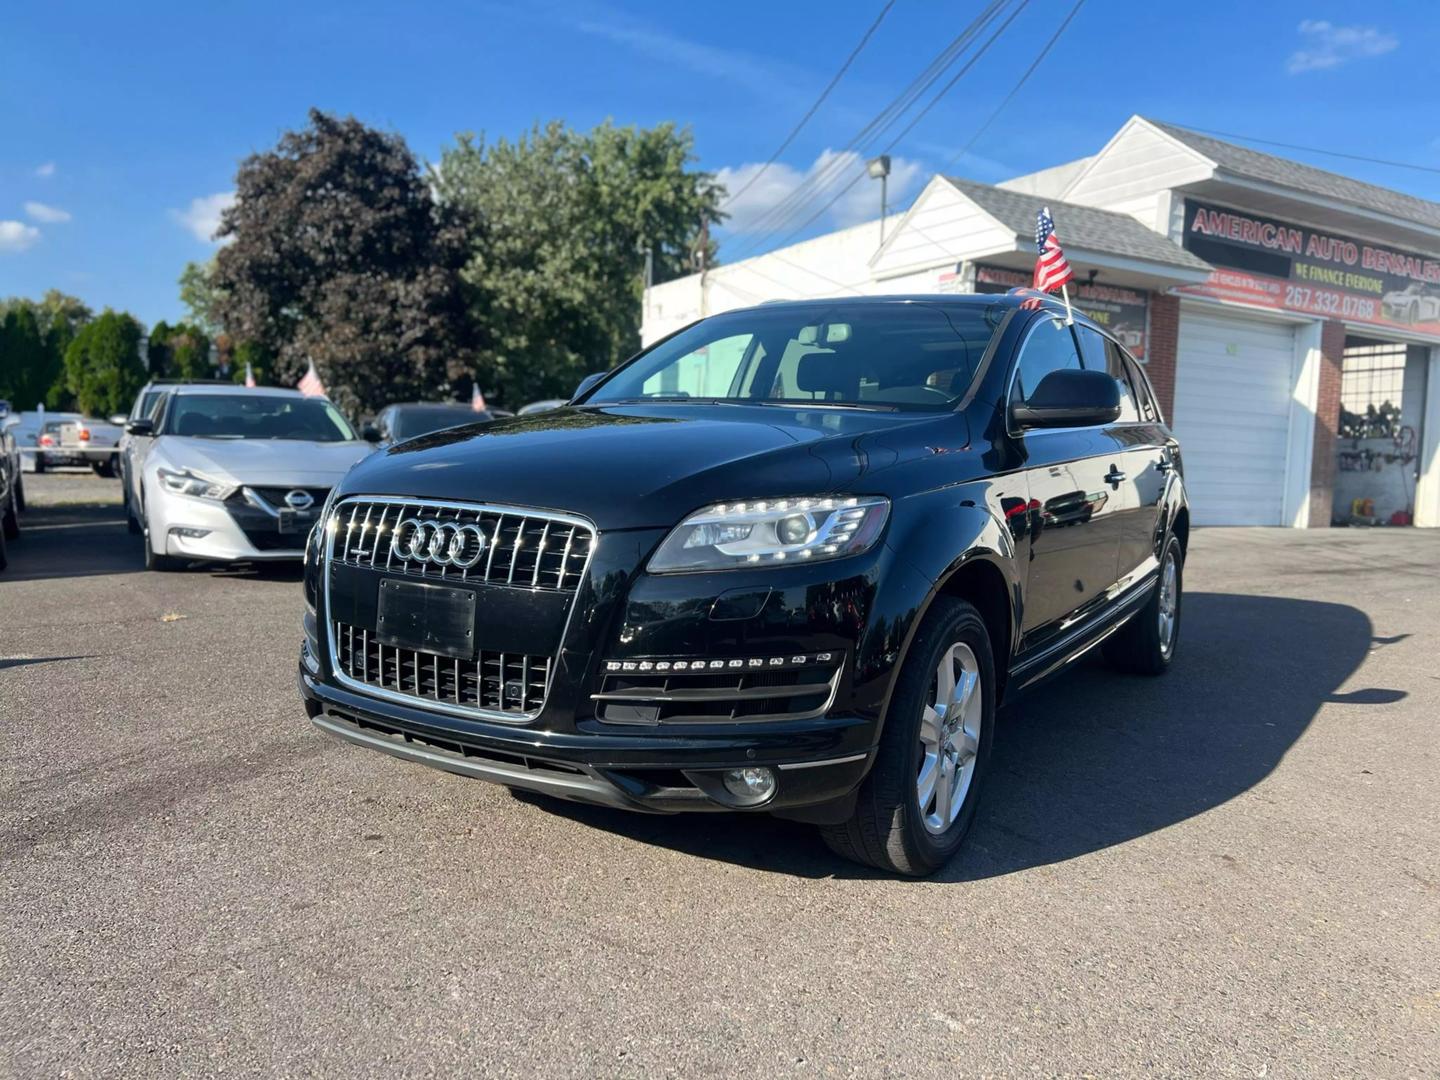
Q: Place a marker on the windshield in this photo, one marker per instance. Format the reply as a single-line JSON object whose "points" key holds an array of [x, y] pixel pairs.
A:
{"points": [[897, 356], [423, 419], [255, 416]]}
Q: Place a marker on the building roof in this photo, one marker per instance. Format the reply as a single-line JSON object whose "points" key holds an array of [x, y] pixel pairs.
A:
{"points": [[1084, 228], [1255, 165]]}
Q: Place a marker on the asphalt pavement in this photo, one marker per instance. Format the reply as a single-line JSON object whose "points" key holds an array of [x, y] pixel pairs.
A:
{"points": [[1230, 871]]}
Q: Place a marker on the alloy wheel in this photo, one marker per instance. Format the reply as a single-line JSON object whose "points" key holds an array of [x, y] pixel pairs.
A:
{"points": [[949, 737], [1169, 603]]}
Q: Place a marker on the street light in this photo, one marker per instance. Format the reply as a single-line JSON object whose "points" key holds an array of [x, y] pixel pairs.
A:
{"points": [[878, 168]]}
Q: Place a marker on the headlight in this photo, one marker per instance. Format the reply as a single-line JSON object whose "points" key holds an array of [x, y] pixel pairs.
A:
{"points": [[770, 531], [185, 482]]}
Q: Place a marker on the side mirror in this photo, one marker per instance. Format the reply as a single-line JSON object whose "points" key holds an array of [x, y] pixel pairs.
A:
{"points": [[370, 433], [140, 427], [1069, 398], [587, 382]]}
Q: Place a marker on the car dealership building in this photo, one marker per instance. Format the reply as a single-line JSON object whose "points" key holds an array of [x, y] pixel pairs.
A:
{"points": [[1288, 317]]}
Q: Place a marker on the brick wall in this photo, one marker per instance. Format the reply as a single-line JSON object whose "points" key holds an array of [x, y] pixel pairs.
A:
{"points": [[1160, 349], [1327, 424]]}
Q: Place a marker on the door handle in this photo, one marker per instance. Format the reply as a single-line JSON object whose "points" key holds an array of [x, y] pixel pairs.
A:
{"points": [[1164, 465], [1115, 476]]}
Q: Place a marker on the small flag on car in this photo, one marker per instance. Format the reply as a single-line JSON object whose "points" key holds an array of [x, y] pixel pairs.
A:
{"points": [[1052, 269], [310, 385], [249, 375], [477, 399]]}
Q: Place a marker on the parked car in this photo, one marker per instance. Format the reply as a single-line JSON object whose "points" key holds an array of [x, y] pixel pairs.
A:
{"points": [[541, 406], [88, 442], [133, 448], [12, 484], [237, 474], [1412, 304], [396, 423], [798, 579], [29, 432]]}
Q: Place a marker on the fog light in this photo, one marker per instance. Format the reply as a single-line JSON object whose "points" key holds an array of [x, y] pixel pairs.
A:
{"points": [[752, 784], [190, 534]]}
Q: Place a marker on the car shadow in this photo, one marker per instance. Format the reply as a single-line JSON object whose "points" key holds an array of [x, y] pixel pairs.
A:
{"points": [[1094, 759], [72, 539]]}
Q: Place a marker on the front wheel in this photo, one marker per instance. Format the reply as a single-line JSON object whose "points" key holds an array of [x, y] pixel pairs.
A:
{"points": [[1146, 644], [153, 559], [10, 519], [918, 802]]}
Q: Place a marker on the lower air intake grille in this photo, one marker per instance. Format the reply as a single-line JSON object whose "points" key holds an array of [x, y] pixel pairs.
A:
{"points": [[511, 684], [717, 692]]}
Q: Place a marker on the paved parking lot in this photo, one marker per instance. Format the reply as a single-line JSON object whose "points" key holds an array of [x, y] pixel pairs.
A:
{"points": [[1232, 871]]}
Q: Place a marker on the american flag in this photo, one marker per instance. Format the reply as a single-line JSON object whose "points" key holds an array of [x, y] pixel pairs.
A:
{"points": [[310, 385], [1051, 268], [249, 375], [477, 399]]}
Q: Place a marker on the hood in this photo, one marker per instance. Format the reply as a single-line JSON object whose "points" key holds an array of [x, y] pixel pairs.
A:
{"points": [[639, 466], [278, 462]]}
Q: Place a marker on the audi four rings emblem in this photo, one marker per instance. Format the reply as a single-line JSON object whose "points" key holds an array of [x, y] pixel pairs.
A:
{"points": [[438, 543]]}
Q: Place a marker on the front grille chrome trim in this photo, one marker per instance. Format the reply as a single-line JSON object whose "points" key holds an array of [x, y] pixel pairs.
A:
{"points": [[340, 539]]}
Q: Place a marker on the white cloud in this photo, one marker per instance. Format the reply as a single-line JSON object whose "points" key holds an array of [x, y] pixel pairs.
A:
{"points": [[1329, 46], [202, 216], [46, 170], [16, 236], [860, 203], [47, 215]]}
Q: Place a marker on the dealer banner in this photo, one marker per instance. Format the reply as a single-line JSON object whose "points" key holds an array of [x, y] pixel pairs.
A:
{"points": [[1119, 310], [1275, 264]]}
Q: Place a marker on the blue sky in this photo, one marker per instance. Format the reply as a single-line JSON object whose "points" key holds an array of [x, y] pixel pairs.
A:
{"points": [[122, 124]]}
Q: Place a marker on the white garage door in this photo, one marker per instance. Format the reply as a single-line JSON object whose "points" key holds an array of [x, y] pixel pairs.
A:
{"points": [[1233, 384]]}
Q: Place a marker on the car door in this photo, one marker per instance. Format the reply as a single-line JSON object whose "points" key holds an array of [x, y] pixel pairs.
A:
{"points": [[1144, 455], [1074, 499], [139, 446]]}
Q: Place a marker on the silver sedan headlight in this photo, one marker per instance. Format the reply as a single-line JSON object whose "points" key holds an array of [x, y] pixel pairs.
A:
{"points": [[194, 484], [769, 532]]}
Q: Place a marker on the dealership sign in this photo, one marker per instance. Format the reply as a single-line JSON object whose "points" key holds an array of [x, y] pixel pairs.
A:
{"points": [[1119, 310], [1278, 265]]}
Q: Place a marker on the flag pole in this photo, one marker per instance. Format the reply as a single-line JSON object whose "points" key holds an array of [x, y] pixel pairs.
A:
{"points": [[1069, 314]]}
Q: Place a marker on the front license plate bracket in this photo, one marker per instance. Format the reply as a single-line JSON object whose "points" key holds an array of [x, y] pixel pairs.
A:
{"points": [[427, 618]]}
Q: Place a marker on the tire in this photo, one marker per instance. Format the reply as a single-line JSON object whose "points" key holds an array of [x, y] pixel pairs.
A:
{"points": [[889, 828], [4, 555], [10, 520], [155, 561], [39, 463], [132, 523], [20, 492], [104, 469], [1146, 644]]}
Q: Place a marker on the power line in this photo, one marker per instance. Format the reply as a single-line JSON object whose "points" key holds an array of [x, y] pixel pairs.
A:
{"points": [[818, 102], [779, 216], [1318, 150], [1039, 59], [918, 117]]}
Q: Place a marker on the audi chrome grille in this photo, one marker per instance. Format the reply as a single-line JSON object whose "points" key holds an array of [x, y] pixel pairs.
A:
{"points": [[494, 545], [509, 683], [488, 547]]}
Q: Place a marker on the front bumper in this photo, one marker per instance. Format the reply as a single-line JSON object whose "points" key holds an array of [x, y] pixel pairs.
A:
{"points": [[175, 519], [654, 775]]}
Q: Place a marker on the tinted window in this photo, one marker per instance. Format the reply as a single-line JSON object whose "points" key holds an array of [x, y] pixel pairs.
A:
{"points": [[1149, 411], [1050, 347], [255, 416], [409, 422], [1102, 354], [902, 355]]}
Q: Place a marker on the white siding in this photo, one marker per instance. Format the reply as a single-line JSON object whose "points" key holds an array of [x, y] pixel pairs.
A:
{"points": [[1047, 183], [1139, 161], [943, 228]]}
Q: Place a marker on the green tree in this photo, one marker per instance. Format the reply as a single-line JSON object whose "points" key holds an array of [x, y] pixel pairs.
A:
{"points": [[261, 363], [559, 223], [33, 339], [340, 255], [199, 294], [102, 364]]}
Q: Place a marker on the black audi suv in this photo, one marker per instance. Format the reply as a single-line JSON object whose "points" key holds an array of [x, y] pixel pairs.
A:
{"points": [[788, 560]]}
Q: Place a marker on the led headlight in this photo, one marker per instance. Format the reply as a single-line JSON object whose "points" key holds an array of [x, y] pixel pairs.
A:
{"points": [[185, 482], [767, 532]]}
